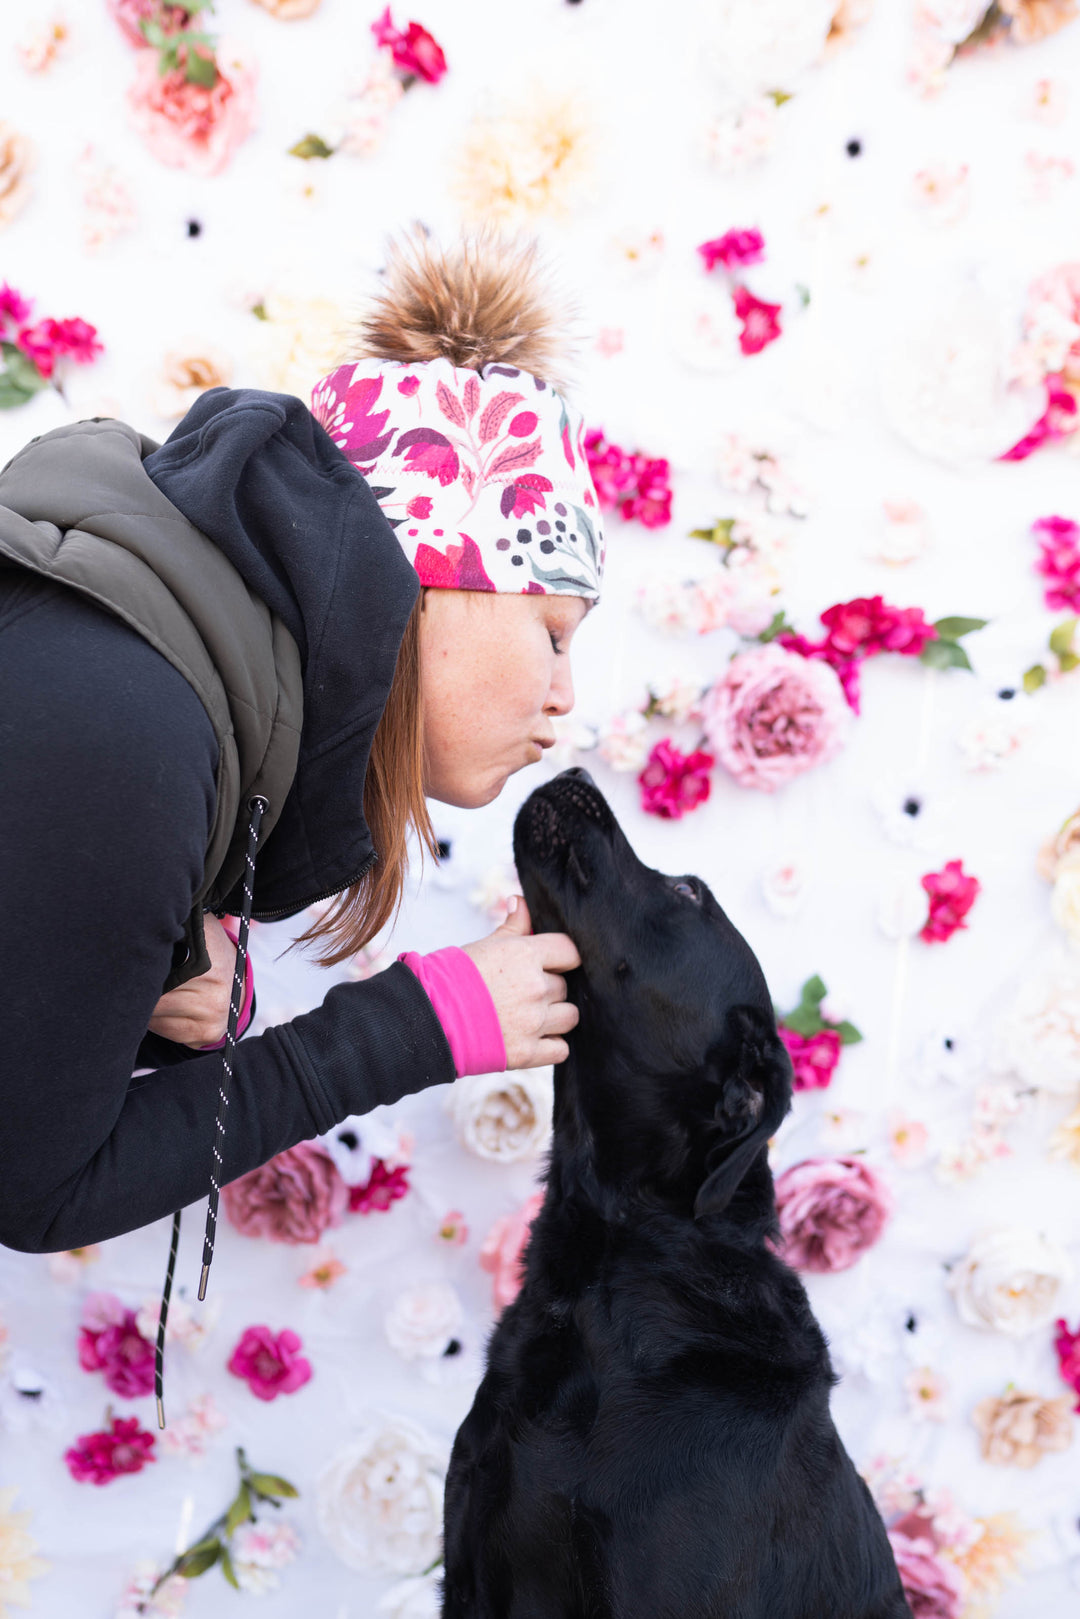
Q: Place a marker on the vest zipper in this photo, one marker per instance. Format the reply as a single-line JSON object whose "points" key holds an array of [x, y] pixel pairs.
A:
{"points": [[316, 899]]}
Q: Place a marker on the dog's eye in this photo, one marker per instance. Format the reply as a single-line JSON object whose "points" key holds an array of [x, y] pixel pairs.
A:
{"points": [[689, 890]]}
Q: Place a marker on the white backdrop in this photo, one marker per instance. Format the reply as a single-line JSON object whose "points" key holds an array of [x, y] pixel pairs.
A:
{"points": [[851, 397]]}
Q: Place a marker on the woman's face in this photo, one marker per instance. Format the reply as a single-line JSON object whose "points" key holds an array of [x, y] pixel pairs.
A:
{"points": [[494, 672]]}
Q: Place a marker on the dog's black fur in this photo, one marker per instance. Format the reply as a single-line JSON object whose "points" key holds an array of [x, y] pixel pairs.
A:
{"points": [[652, 1437]]}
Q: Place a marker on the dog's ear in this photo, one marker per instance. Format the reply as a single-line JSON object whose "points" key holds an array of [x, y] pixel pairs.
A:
{"points": [[753, 1071]]}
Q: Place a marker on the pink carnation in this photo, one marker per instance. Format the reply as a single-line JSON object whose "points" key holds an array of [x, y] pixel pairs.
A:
{"points": [[636, 485], [414, 51], [760, 321], [383, 1187], [934, 1588], [294, 1198], [867, 625], [270, 1365], [831, 1211], [13, 306], [188, 126], [773, 715], [734, 249], [130, 13], [673, 783], [52, 340], [504, 1247], [1067, 1345], [814, 1057], [952, 894], [110, 1342], [98, 1458], [1059, 561]]}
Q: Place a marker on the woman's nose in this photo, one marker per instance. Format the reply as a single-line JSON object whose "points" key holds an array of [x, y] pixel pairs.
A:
{"points": [[561, 696]]}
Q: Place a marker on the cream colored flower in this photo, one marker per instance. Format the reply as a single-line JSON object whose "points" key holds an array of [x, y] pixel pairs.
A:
{"points": [[504, 1118], [380, 1498], [1038, 1040], [186, 373], [16, 162], [289, 10], [847, 18], [1065, 843], [1009, 1281], [1065, 1141], [1018, 1429], [298, 341], [1065, 901], [18, 1565], [529, 159], [1033, 20]]}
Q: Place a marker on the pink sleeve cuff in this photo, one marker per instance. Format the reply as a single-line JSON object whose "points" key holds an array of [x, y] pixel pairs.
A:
{"points": [[463, 1006], [249, 996]]}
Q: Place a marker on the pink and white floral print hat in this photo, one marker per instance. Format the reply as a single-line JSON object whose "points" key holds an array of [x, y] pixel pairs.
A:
{"points": [[482, 473]]}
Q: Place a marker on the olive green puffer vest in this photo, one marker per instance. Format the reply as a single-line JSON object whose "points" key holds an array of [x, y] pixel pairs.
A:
{"points": [[77, 506]]}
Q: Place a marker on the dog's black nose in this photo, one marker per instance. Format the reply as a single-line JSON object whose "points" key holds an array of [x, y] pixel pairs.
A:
{"points": [[576, 773]]}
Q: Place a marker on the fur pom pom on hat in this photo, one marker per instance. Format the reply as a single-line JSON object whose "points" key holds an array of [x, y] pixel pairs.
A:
{"points": [[476, 459]]}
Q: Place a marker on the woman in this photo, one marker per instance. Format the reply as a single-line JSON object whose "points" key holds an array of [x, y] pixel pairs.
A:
{"points": [[267, 636]]}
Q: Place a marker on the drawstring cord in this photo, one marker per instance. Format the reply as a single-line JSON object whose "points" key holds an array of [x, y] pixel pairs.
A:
{"points": [[258, 807]]}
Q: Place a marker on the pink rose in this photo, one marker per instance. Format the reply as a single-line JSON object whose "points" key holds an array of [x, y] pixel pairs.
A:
{"points": [[952, 894], [52, 340], [110, 1342], [294, 1198], [188, 126], [270, 1365], [814, 1057], [831, 1211], [734, 249], [673, 783], [414, 51], [773, 715], [504, 1247], [933, 1587], [98, 1458], [760, 321]]}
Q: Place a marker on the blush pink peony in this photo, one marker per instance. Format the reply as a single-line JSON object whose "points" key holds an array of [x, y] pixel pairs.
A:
{"points": [[934, 1588], [188, 126], [773, 715], [270, 1364], [504, 1248], [294, 1198], [110, 1342], [831, 1211]]}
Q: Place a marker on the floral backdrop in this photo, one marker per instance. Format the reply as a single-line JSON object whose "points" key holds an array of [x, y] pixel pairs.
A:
{"points": [[826, 267]]}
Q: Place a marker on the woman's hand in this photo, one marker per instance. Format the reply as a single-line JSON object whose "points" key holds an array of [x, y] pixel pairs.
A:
{"points": [[197, 1013], [523, 973]]}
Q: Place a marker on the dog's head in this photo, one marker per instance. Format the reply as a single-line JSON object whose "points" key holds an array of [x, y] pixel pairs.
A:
{"points": [[678, 1077]]}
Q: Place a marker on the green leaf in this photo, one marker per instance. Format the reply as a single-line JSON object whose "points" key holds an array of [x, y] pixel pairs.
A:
{"points": [[805, 1020], [197, 1559], [778, 97], [1061, 636], [813, 991], [259, 311], [719, 534], [1067, 661], [201, 70], [270, 1484], [311, 146], [951, 629], [849, 1034], [944, 655], [239, 1512], [777, 627], [228, 1570], [803, 294], [1034, 677]]}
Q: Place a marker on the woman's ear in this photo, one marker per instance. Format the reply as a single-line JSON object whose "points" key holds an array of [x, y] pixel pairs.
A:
{"points": [[753, 1073]]}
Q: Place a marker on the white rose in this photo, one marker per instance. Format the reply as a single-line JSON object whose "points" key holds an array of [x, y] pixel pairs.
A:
{"points": [[422, 1320], [379, 1500], [1065, 901], [1009, 1282], [1039, 1039], [766, 45], [413, 1599], [503, 1117]]}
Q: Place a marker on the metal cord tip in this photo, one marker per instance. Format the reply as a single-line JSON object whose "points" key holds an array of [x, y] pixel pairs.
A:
{"points": [[160, 1412], [203, 1279]]}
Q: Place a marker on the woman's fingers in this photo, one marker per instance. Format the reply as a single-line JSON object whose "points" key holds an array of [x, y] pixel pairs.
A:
{"points": [[559, 953], [561, 1018], [524, 977]]}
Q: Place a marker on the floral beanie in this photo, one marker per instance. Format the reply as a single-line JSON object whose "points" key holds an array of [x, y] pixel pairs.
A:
{"points": [[477, 462], [482, 474]]}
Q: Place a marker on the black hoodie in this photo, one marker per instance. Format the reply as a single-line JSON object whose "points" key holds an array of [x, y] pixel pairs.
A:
{"points": [[107, 792]]}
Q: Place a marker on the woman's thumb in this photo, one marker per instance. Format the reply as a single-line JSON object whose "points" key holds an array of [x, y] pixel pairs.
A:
{"points": [[518, 919]]}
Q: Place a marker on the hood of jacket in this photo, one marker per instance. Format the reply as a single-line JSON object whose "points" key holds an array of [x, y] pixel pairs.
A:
{"points": [[256, 475]]}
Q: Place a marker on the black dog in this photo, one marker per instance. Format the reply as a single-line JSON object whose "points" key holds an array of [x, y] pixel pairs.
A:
{"points": [[652, 1437]]}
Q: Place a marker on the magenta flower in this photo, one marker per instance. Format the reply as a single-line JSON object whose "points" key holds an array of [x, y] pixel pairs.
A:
{"points": [[98, 1458], [867, 625], [110, 1342], [414, 51], [760, 321], [293, 1198], [952, 894], [13, 306], [270, 1365], [933, 1587], [673, 783], [831, 1211], [612, 469], [1057, 421], [636, 485], [814, 1057], [1067, 1345], [735, 249], [1059, 561], [383, 1187], [52, 340]]}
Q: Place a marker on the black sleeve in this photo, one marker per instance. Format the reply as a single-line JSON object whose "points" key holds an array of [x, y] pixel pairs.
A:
{"points": [[107, 783]]}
